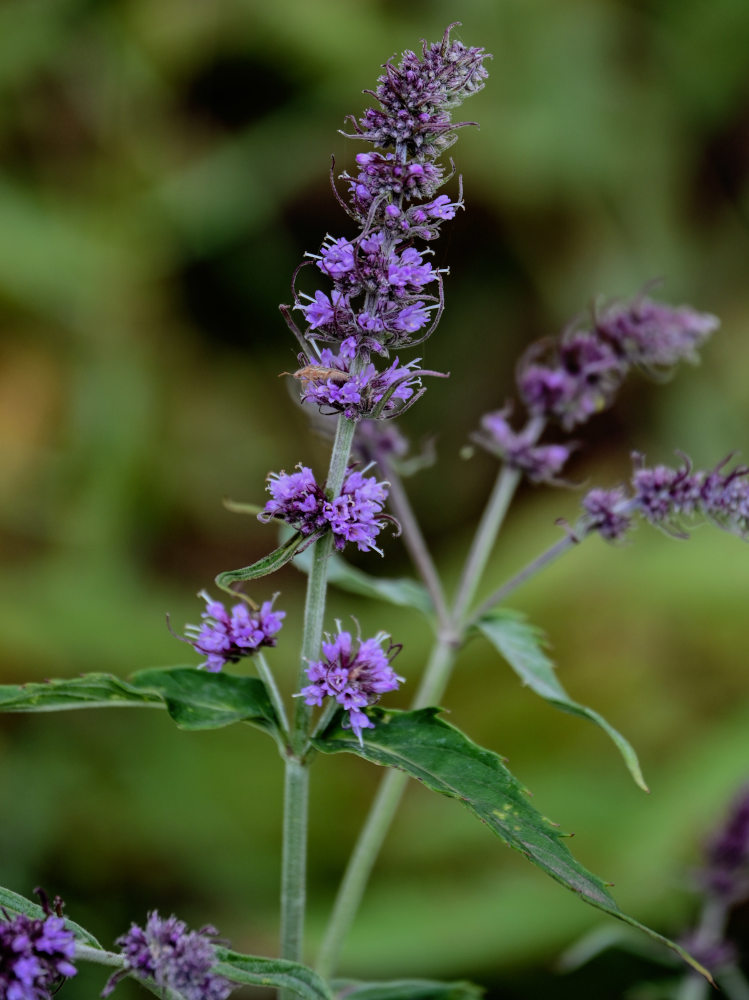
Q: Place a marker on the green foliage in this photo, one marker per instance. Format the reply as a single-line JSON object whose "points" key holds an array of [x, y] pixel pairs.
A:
{"points": [[521, 644], [445, 760], [195, 699], [275, 972], [263, 567]]}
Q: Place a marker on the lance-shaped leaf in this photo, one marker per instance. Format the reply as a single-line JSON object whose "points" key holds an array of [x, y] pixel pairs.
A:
{"points": [[445, 760], [275, 972], [406, 989], [14, 903], [268, 564], [521, 645], [401, 591], [195, 699]]}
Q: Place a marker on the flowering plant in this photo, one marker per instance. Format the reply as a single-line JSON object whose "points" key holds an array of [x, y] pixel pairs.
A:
{"points": [[382, 294]]}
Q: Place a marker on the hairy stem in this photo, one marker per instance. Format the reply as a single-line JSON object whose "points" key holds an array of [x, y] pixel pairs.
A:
{"points": [[377, 824], [296, 788]]}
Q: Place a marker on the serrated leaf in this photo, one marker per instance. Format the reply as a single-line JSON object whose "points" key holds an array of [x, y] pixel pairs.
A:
{"points": [[445, 760], [198, 699], [195, 699], [402, 591], [406, 989], [13, 903], [88, 691], [265, 566], [521, 645], [275, 972]]}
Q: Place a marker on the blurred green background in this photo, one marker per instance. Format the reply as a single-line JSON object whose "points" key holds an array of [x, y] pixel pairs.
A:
{"points": [[164, 167]]}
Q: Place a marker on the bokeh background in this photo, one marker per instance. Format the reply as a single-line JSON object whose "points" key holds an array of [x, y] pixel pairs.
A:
{"points": [[164, 167]]}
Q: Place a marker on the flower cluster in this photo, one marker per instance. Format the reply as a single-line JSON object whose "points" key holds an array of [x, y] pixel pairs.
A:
{"points": [[365, 393], [541, 463], [355, 673], [575, 377], [227, 636], [35, 954], [173, 957], [355, 515], [386, 294], [669, 498]]}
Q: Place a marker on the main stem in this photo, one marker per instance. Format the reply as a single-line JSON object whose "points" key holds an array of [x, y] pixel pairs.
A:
{"points": [[296, 786]]}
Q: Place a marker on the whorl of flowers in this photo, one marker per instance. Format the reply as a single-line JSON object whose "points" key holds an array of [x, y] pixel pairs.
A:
{"points": [[726, 872], [578, 375], [173, 957], [35, 955], [672, 498], [385, 294], [355, 672], [366, 393], [541, 463], [227, 636], [355, 515]]}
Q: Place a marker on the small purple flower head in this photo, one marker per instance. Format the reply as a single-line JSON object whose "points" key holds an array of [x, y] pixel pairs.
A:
{"points": [[227, 636], [607, 512], [726, 872], [540, 463], [365, 393], [654, 335], [356, 672], [175, 958], [35, 954], [355, 515], [417, 95]]}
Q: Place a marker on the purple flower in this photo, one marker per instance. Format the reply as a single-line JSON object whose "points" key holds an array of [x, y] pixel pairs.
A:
{"points": [[541, 463], [607, 513], [35, 955], [653, 334], [668, 497], [355, 672], [379, 277], [175, 958], [227, 636], [331, 383], [571, 379], [356, 515]]}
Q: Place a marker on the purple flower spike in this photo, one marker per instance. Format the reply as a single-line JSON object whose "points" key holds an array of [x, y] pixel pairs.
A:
{"points": [[227, 636], [571, 379], [356, 515], [355, 672], [35, 955], [173, 957], [607, 513], [540, 463]]}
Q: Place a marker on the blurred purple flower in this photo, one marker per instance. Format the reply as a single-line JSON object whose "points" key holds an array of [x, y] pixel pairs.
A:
{"points": [[541, 463]]}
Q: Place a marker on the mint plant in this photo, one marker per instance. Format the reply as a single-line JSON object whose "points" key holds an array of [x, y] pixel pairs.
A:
{"points": [[381, 293]]}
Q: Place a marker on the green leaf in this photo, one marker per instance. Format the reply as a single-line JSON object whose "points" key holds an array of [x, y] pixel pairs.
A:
{"points": [[521, 644], [195, 699], [263, 567], [402, 591], [406, 989], [14, 903], [275, 972], [445, 760], [198, 699], [88, 691]]}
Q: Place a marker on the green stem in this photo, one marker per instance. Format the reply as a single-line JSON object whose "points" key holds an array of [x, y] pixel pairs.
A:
{"points": [[266, 676], [296, 787], [377, 824]]}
